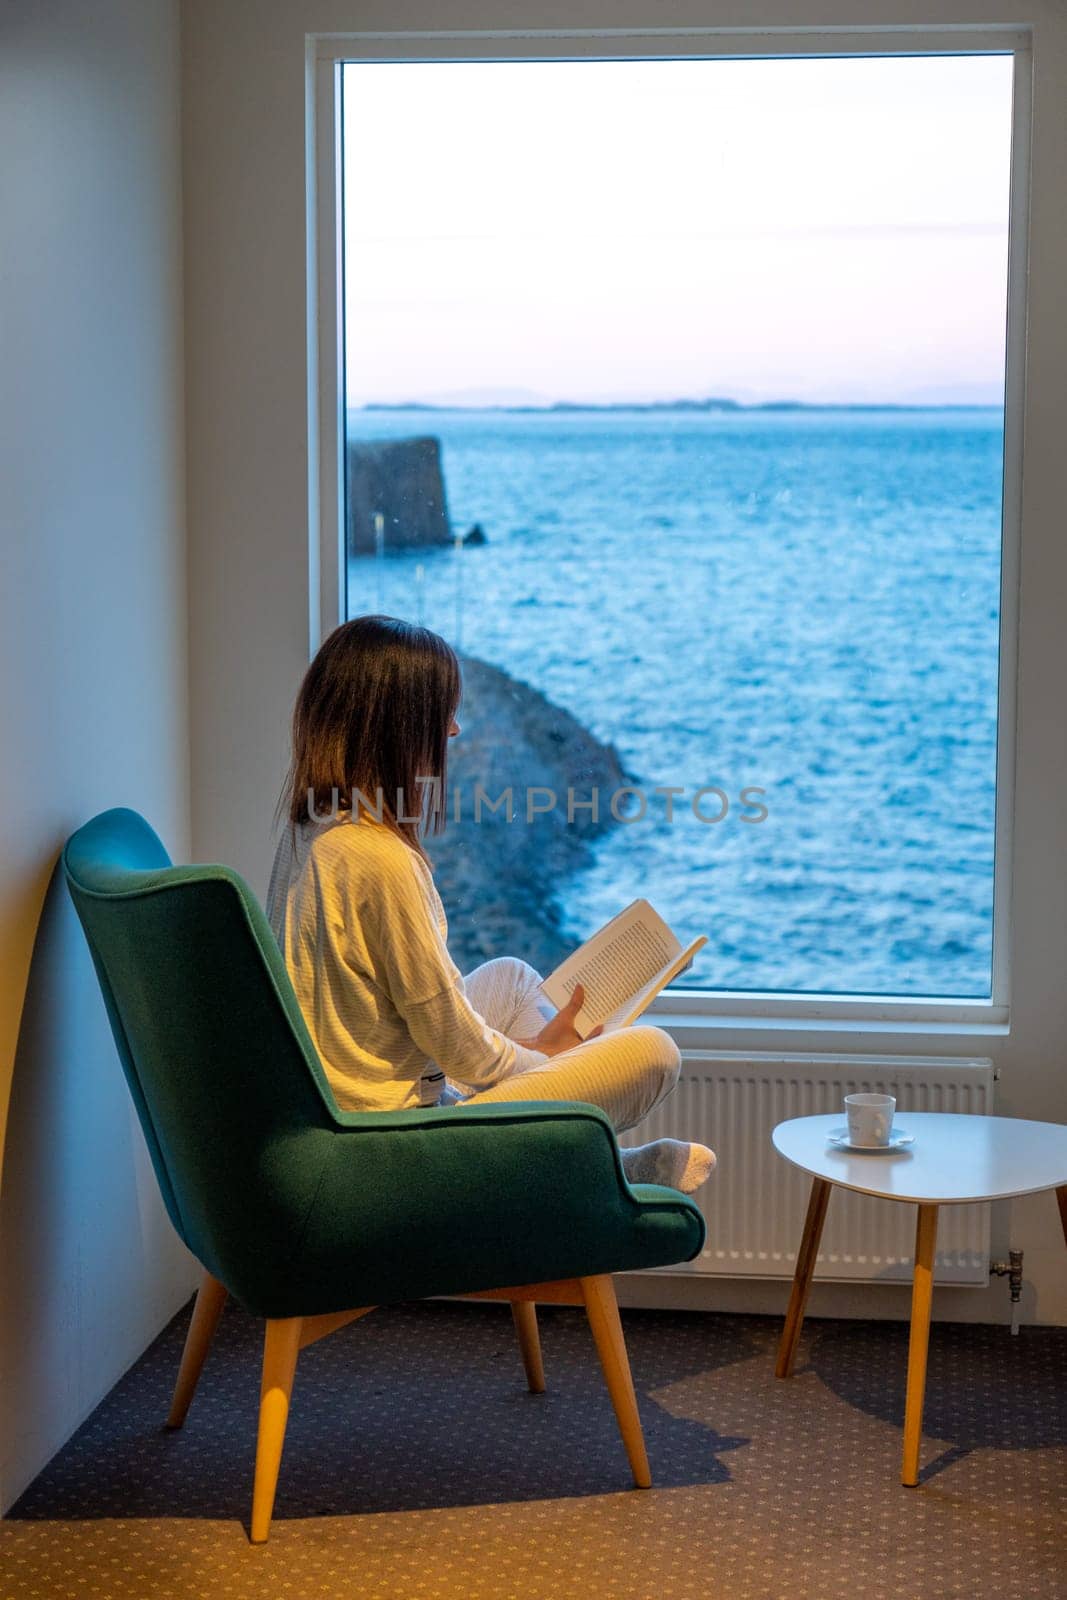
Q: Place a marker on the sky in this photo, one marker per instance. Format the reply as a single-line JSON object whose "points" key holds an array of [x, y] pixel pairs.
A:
{"points": [[817, 230]]}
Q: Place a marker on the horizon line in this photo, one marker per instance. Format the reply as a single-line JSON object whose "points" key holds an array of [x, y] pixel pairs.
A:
{"points": [[681, 404]]}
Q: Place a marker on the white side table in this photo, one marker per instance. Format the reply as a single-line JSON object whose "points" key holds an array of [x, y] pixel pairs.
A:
{"points": [[954, 1160]]}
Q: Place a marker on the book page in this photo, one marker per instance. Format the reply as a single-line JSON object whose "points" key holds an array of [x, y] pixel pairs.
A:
{"points": [[623, 958], [632, 1008]]}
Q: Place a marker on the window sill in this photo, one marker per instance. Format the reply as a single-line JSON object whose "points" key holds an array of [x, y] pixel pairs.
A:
{"points": [[703, 1032]]}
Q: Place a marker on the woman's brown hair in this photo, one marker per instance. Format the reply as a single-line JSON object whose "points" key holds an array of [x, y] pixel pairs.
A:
{"points": [[372, 715]]}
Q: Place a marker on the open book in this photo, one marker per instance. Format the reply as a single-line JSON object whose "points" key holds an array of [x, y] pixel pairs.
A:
{"points": [[622, 968]]}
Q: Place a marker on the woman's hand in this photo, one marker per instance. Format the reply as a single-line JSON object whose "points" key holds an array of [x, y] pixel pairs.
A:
{"points": [[560, 1033]]}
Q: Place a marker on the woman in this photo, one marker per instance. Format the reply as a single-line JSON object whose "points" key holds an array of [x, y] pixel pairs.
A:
{"points": [[359, 921]]}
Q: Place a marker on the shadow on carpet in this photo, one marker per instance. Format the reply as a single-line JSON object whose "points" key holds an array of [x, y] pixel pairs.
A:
{"points": [[414, 1407]]}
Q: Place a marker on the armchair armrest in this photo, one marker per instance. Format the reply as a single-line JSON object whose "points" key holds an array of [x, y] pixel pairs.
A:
{"points": [[448, 1200], [587, 1124]]}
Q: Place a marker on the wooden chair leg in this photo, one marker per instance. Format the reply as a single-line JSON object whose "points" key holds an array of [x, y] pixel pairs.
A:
{"points": [[524, 1314], [805, 1270], [281, 1346], [919, 1341], [1061, 1196], [603, 1312], [206, 1313]]}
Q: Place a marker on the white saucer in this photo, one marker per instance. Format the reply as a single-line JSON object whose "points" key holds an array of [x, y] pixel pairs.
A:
{"points": [[898, 1138]]}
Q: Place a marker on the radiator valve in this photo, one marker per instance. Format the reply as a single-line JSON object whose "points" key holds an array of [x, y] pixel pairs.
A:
{"points": [[1012, 1269]]}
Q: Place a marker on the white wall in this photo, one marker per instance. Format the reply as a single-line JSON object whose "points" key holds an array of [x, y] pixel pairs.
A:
{"points": [[244, 148], [93, 673]]}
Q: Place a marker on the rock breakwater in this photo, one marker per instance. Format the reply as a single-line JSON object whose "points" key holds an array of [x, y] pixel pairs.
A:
{"points": [[503, 882]]}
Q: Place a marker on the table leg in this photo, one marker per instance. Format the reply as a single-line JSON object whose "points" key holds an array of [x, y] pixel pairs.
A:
{"points": [[809, 1249], [1061, 1196], [922, 1294]]}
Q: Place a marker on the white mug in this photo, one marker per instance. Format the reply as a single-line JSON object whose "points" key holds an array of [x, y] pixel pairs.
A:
{"points": [[870, 1119]]}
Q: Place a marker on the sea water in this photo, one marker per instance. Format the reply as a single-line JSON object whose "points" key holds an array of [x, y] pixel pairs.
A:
{"points": [[801, 602]]}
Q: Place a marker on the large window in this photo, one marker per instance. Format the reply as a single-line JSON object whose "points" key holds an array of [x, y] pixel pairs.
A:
{"points": [[674, 397]]}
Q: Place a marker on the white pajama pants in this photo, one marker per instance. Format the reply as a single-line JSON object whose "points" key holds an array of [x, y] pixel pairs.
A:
{"points": [[625, 1072]]}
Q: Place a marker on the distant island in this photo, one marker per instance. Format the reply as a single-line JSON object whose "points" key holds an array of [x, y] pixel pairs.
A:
{"points": [[713, 403]]}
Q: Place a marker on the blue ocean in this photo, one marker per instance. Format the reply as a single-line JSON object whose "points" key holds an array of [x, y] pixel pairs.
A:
{"points": [[804, 603]]}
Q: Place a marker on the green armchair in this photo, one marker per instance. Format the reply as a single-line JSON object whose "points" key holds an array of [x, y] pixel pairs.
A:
{"points": [[311, 1216]]}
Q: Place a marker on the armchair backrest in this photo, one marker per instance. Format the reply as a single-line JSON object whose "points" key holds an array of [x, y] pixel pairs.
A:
{"points": [[226, 1080]]}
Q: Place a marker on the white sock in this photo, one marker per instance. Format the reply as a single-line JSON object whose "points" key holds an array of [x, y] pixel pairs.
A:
{"points": [[670, 1162]]}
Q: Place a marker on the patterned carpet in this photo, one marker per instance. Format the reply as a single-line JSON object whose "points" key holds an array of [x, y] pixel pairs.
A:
{"points": [[417, 1465]]}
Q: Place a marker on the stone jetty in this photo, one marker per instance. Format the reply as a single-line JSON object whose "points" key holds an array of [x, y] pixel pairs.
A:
{"points": [[504, 883]]}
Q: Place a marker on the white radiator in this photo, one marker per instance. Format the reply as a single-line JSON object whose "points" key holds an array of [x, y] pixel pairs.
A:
{"points": [[754, 1202]]}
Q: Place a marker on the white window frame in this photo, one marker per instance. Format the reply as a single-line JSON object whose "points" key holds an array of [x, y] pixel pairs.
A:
{"points": [[698, 1017]]}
